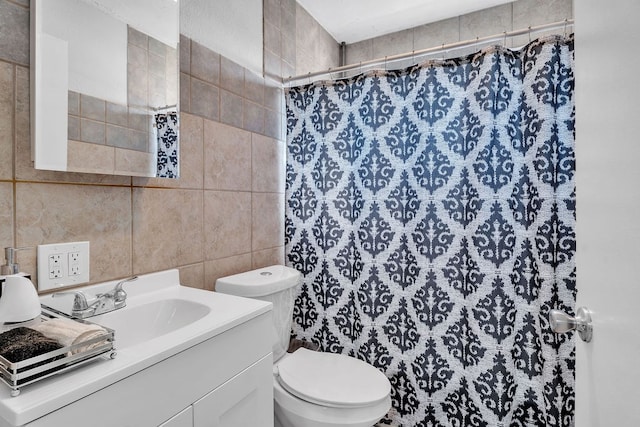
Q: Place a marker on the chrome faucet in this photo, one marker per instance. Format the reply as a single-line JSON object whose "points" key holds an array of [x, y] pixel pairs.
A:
{"points": [[102, 303]]}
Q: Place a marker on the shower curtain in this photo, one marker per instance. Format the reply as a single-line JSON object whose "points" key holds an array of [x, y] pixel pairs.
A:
{"points": [[431, 212], [166, 132]]}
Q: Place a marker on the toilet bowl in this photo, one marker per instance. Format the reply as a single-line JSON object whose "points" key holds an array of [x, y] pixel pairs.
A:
{"points": [[315, 389], [311, 388]]}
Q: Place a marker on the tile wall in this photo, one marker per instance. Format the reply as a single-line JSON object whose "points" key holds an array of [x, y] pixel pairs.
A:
{"points": [[279, 28], [225, 213], [510, 16]]}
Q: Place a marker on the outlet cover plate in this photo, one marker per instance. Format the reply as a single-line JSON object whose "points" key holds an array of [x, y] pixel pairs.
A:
{"points": [[73, 267]]}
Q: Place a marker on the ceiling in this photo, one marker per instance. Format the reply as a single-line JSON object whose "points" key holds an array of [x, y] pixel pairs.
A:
{"points": [[351, 21]]}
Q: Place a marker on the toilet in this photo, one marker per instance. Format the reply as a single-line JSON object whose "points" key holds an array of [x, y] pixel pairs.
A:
{"points": [[310, 388]]}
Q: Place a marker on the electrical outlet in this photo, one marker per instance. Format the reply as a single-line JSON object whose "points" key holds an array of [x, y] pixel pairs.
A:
{"points": [[55, 266], [74, 263], [62, 264]]}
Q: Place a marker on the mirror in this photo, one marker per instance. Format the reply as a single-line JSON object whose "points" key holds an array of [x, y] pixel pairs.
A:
{"points": [[105, 86]]}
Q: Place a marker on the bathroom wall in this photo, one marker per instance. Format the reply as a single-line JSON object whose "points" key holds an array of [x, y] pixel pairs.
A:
{"points": [[222, 216], [510, 16], [316, 49]]}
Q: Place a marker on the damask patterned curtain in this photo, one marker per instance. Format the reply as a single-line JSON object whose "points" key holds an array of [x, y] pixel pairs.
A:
{"points": [[166, 132], [432, 212]]}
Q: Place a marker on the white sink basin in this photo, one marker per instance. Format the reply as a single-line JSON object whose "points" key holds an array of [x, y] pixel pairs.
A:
{"points": [[137, 324]]}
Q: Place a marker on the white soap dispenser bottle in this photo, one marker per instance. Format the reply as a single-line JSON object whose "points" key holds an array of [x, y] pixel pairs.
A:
{"points": [[19, 301], [11, 267]]}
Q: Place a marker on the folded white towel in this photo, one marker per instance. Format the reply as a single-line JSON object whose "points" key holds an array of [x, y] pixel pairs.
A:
{"points": [[69, 332]]}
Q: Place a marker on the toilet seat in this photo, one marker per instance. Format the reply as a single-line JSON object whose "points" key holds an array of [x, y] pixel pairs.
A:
{"points": [[333, 380]]}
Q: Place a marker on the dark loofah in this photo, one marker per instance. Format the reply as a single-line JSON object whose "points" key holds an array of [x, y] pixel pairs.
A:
{"points": [[23, 343]]}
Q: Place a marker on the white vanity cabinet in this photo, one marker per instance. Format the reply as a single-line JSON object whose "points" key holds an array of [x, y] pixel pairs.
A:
{"points": [[183, 419], [225, 381]]}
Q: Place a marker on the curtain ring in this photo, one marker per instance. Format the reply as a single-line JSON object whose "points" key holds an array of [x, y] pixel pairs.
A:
{"points": [[504, 43], [529, 33], [309, 78], [566, 21], [360, 68], [385, 63]]}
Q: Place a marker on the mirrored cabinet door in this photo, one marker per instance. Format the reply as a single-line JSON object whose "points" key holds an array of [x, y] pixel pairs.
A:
{"points": [[106, 86]]}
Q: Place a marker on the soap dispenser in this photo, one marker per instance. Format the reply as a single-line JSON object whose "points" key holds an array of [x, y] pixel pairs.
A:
{"points": [[19, 301], [11, 266]]}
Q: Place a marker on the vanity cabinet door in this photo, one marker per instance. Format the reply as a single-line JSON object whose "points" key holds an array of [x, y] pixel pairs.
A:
{"points": [[183, 419], [244, 400]]}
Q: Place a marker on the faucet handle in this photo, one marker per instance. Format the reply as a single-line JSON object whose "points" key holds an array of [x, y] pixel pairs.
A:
{"points": [[79, 300], [119, 293]]}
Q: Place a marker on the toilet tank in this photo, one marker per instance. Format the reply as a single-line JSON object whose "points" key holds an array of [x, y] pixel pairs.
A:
{"points": [[277, 285]]}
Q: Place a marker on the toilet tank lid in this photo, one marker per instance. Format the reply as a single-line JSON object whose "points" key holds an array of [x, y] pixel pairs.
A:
{"points": [[260, 282]]}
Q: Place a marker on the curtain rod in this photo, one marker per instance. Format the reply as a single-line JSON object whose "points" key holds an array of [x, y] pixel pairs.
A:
{"points": [[433, 50]]}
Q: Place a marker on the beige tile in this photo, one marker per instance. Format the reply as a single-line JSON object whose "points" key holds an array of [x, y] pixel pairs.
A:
{"points": [[14, 33], [253, 117], [487, 22], [205, 64], [57, 213], [118, 136], [268, 257], [185, 54], [272, 12], [117, 114], [267, 220], [393, 44], [273, 124], [157, 47], [139, 119], [288, 26], [6, 120], [231, 109], [273, 97], [185, 93], [227, 157], [74, 103], [358, 52], [205, 100], [272, 65], [90, 158], [272, 39], [288, 50], [268, 164], [254, 87], [231, 76], [92, 108], [436, 34], [213, 270], [289, 6], [137, 38], [191, 157], [192, 275], [228, 223], [134, 163], [24, 165], [6, 214], [73, 128], [167, 228], [529, 13], [92, 131]]}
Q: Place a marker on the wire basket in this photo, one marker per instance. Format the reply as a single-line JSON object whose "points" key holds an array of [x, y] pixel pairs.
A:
{"points": [[19, 374]]}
